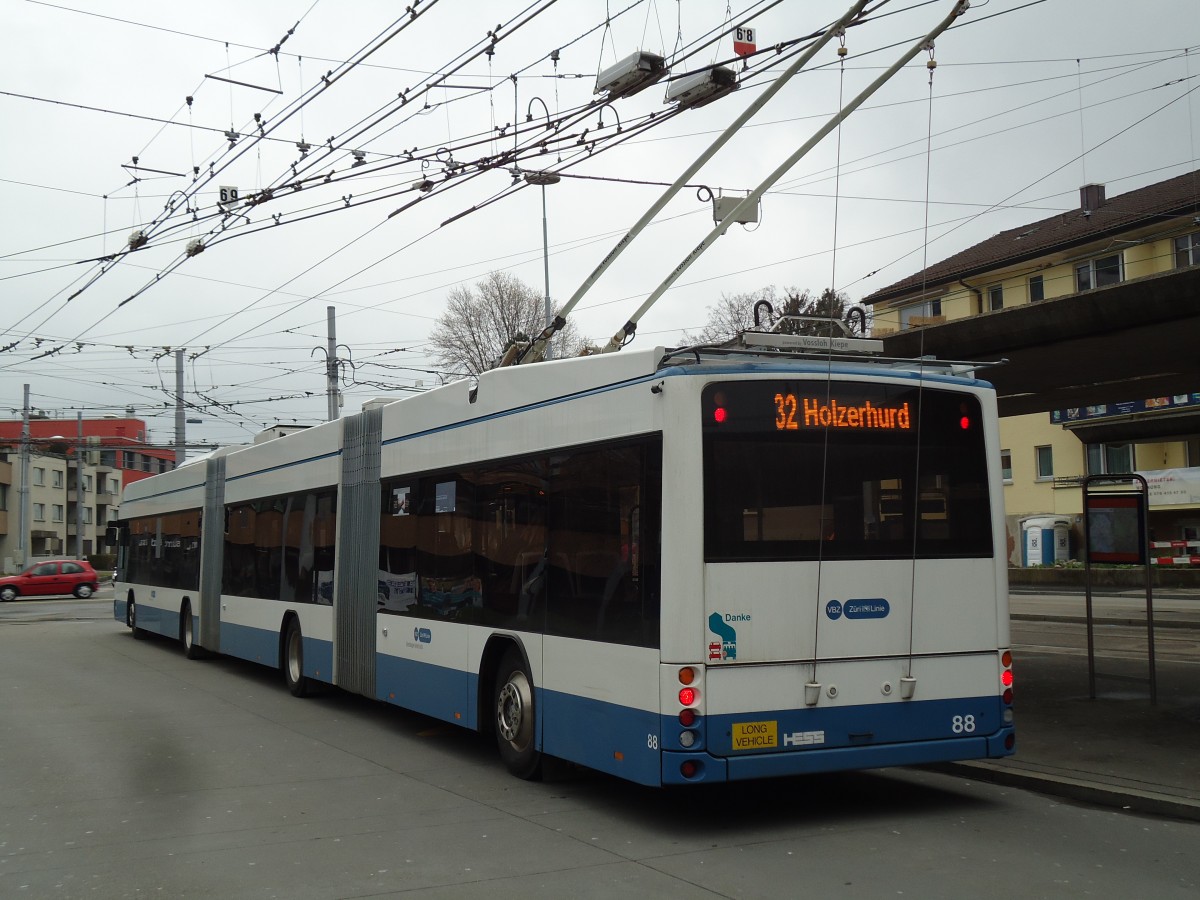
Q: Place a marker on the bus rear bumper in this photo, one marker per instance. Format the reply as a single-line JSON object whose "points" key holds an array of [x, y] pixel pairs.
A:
{"points": [[708, 768]]}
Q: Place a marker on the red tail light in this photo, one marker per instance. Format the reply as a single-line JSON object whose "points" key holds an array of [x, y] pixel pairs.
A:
{"points": [[1006, 676]]}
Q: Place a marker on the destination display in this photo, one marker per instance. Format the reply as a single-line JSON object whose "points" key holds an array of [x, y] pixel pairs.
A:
{"points": [[814, 406]]}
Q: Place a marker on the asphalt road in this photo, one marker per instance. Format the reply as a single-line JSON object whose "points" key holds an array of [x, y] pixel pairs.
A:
{"points": [[128, 771]]}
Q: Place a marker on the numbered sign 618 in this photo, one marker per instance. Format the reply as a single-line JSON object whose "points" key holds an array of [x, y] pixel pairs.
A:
{"points": [[743, 41]]}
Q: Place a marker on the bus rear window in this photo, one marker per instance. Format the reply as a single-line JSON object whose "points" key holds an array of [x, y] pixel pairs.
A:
{"points": [[842, 470]]}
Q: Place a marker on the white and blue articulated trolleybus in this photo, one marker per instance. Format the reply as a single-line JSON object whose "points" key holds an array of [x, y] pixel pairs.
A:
{"points": [[674, 566]]}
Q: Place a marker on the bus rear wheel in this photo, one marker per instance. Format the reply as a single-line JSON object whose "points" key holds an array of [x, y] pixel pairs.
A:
{"points": [[293, 660], [514, 710], [187, 633]]}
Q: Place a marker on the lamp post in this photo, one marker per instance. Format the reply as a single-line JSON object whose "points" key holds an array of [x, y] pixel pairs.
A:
{"points": [[542, 179]]}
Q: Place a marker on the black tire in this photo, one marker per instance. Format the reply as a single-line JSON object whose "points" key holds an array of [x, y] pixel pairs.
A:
{"points": [[131, 620], [187, 633], [293, 660], [9, 593], [515, 717], [83, 591]]}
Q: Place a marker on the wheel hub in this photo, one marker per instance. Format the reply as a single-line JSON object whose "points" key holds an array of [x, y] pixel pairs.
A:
{"points": [[510, 712]]}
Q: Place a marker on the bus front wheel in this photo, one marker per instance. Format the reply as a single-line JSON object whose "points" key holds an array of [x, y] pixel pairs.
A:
{"points": [[131, 620], [293, 660], [514, 709]]}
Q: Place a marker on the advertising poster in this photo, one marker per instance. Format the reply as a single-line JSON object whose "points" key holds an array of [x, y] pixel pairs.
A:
{"points": [[1115, 529]]}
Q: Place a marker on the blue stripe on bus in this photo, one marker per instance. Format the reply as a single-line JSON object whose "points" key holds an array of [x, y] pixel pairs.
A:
{"points": [[790, 368], [437, 691], [608, 737], [282, 466], [261, 645], [625, 741], [604, 736], [517, 410], [254, 644], [867, 725], [157, 620], [289, 465], [318, 659], [808, 762]]}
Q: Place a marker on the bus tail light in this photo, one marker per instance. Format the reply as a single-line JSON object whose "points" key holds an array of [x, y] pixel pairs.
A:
{"points": [[1006, 682], [688, 698]]}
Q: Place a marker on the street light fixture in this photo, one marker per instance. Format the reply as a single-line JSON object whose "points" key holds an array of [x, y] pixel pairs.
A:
{"points": [[542, 179]]}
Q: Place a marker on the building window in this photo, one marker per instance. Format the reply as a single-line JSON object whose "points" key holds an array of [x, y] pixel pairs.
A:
{"points": [[1187, 250], [39, 476], [127, 460], [57, 512], [39, 512], [57, 478], [1045, 463], [87, 482], [3, 496], [146, 463], [1006, 465], [87, 515], [1098, 272], [919, 311], [1109, 459], [1037, 288], [995, 297]]}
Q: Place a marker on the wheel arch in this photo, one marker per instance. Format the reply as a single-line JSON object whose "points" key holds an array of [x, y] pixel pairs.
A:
{"points": [[289, 616], [493, 652]]}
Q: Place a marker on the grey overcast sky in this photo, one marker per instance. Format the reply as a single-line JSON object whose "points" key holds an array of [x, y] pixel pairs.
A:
{"points": [[1029, 101]]}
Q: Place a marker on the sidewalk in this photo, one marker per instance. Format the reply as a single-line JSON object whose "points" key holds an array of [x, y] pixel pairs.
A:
{"points": [[1116, 750]]}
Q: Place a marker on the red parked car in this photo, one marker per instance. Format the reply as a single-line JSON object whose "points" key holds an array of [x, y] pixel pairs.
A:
{"points": [[55, 576]]}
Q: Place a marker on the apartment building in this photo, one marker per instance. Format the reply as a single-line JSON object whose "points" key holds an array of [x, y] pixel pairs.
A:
{"points": [[1149, 235], [74, 482]]}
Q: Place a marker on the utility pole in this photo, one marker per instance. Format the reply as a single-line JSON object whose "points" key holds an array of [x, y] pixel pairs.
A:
{"points": [[23, 507], [331, 366], [180, 418], [79, 457]]}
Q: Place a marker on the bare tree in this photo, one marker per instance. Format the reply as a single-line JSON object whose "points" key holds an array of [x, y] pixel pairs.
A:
{"points": [[734, 314], [480, 323], [731, 315]]}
